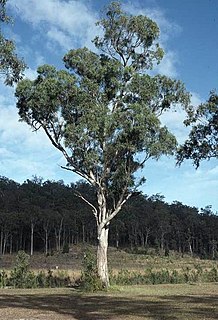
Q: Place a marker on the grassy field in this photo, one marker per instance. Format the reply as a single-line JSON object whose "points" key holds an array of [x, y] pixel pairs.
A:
{"points": [[159, 302]]}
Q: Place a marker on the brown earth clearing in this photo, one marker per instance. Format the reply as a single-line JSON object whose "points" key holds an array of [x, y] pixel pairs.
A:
{"points": [[159, 302]]}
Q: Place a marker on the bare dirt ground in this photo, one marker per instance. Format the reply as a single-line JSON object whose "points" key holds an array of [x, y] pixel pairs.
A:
{"points": [[159, 302]]}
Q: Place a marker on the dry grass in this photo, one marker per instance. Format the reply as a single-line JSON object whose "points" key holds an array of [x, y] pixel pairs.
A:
{"points": [[153, 302], [123, 260], [118, 259], [161, 302]]}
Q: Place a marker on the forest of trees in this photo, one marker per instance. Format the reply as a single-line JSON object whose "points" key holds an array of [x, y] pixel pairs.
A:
{"points": [[46, 216]]}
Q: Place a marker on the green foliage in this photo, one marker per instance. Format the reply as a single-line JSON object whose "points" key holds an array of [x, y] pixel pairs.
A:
{"points": [[52, 280], [104, 110], [10, 65], [125, 277], [90, 280], [41, 279], [124, 36], [3, 279], [212, 275], [203, 138], [21, 277]]}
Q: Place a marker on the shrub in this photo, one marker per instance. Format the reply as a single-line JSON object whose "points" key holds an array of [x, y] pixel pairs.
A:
{"points": [[212, 275], [20, 275], [3, 279], [164, 276], [90, 280], [41, 280]]}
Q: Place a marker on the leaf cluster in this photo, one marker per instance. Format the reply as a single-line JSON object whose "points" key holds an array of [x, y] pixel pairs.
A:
{"points": [[202, 142], [131, 39], [11, 66]]}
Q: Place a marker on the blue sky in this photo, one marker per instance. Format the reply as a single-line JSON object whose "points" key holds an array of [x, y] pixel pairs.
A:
{"points": [[45, 30]]}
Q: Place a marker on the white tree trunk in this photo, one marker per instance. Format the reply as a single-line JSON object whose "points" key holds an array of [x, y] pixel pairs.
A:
{"points": [[46, 242], [1, 241], [103, 218], [102, 256], [32, 239]]}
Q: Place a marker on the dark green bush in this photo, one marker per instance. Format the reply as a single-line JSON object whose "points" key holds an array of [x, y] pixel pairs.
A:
{"points": [[20, 275], [90, 280], [41, 280]]}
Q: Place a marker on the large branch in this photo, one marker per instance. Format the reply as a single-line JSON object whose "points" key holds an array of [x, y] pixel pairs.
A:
{"points": [[90, 178], [94, 210], [118, 208]]}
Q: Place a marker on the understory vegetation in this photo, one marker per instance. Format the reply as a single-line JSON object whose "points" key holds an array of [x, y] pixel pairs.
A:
{"points": [[156, 270], [22, 277]]}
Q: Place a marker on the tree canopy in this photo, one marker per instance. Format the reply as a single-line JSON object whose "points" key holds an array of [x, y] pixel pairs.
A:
{"points": [[103, 112]]}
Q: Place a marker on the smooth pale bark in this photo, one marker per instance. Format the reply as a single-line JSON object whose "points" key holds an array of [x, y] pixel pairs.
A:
{"points": [[32, 238], [147, 230], [1, 241], [5, 240], [11, 244], [83, 232], [102, 265], [58, 233], [46, 241]]}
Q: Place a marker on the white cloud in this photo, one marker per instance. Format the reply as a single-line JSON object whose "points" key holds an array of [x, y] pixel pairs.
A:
{"points": [[58, 36], [30, 73], [167, 66], [58, 19], [196, 100], [18, 143], [5, 153], [64, 14], [24, 153]]}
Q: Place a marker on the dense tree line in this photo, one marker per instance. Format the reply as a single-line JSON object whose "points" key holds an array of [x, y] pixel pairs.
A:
{"points": [[48, 215]]}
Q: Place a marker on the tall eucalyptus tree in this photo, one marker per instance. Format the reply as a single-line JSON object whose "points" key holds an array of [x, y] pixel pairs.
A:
{"points": [[103, 112]]}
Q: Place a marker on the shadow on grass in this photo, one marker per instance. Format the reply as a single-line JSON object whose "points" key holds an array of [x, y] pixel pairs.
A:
{"points": [[102, 307]]}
